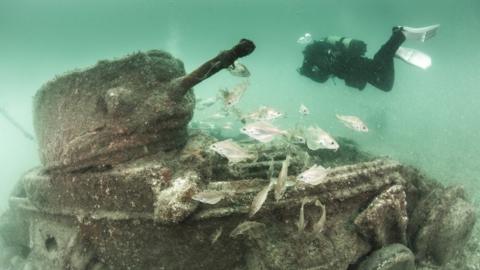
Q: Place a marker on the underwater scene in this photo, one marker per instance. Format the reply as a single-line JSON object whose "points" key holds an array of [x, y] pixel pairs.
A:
{"points": [[215, 134]]}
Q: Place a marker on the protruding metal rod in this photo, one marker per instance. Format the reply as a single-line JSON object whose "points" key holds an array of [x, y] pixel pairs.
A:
{"points": [[223, 60], [16, 124]]}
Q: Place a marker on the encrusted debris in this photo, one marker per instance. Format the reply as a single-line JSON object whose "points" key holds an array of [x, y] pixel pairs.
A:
{"points": [[385, 219], [441, 225]]}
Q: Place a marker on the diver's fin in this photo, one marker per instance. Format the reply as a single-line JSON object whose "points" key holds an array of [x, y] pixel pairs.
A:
{"points": [[421, 33], [414, 57]]}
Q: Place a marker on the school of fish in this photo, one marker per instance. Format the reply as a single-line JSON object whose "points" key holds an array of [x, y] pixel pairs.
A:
{"points": [[257, 125]]}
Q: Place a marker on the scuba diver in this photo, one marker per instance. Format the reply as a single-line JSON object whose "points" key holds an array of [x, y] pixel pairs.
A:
{"points": [[344, 58]]}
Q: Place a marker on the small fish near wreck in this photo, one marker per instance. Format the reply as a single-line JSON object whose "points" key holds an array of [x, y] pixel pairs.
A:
{"points": [[260, 199], [303, 110], [353, 122], [319, 227], [281, 184], [233, 96], [203, 104], [296, 136], [232, 151], [216, 235], [238, 69], [317, 138], [263, 113], [262, 131], [301, 217], [209, 196], [244, 227], [314, 175]]}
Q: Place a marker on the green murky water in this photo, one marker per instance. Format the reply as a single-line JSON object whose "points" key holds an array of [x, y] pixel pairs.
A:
{"points": [[430, 118]]}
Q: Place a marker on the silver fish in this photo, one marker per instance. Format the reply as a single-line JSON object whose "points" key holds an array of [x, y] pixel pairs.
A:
{"points": [[260, 199], [301, 218], [231, 150], [262, 131], [239, 69], [216, 235], [202, 125], [209, 196], [263, 114], [203, 104], [353, 122], [296, 136], [218, 115], [317, 138], [228, 125], [244, 227], [314, 175], [271, 169], [320, 225], [232, 97], [303, 110], [281, 184]]}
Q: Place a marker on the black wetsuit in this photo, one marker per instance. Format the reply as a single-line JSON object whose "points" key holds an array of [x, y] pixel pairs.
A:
{"points": [[323, 59]]}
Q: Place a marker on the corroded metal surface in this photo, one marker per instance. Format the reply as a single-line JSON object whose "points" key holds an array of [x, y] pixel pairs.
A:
{"points": [[341, 184], [121, 109], [104, 227], [113, 237]]}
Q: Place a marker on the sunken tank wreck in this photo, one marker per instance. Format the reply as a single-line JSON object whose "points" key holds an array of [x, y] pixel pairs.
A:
{"points": [[120, 168]]}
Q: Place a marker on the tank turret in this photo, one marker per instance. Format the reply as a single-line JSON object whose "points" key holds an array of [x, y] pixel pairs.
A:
{"points": [[120, 109]]}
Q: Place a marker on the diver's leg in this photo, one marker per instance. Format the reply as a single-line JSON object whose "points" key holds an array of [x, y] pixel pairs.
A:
{"points": [[381, 73]]}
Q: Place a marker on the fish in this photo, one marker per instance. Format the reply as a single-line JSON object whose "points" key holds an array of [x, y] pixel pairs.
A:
{"points": [[297, 139], [202, 125], [263, 114], [231, 150], [319, 227], [305, 39], [209, 196], [260, 199], [245, 227], [301, 218], [281, 184], [353, 122], [238, 69], [314, 175], [233, 96], [317, 138], [271, 168], [296, 136], [218, 115], [227, 125], [216, 235], [262, 131], [203, 104], [303, 110]]}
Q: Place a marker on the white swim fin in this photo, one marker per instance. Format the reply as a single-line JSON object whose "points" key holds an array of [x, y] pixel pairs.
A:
{"points": [[414, 57], [421, 34]]}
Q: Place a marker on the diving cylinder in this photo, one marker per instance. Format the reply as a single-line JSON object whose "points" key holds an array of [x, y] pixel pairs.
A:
{"points": [[354, 47]]}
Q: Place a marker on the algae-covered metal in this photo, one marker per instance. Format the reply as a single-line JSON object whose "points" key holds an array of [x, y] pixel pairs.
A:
{"points": [[120, 109]]}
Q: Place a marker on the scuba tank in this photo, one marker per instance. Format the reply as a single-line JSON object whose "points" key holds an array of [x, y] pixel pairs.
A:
{"points": [[352, 47]]}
